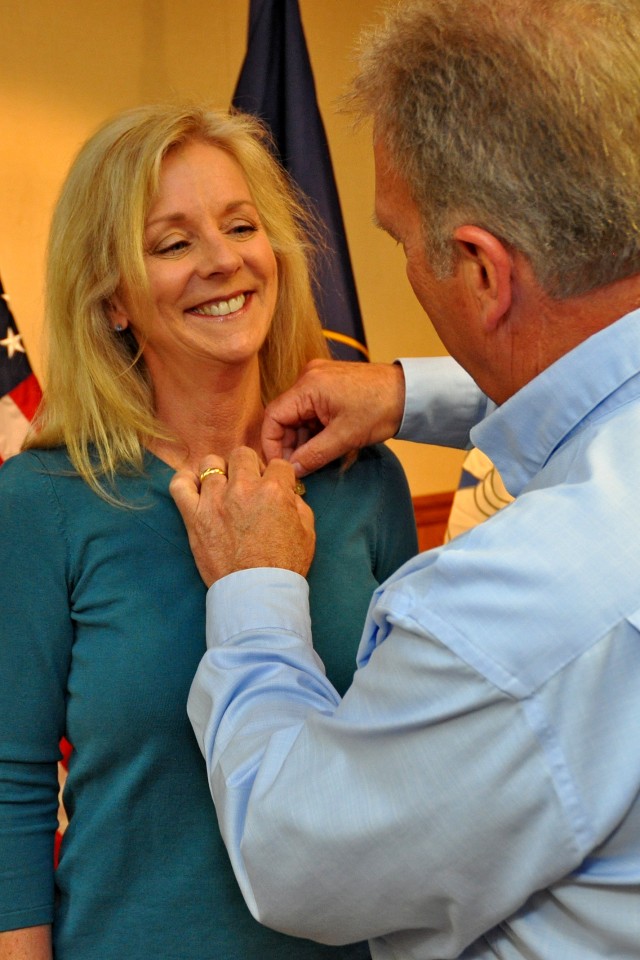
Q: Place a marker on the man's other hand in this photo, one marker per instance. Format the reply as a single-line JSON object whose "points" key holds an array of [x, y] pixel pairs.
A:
{"points": [[241, 515]]}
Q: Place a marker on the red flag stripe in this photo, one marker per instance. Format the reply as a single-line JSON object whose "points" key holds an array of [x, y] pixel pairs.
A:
{"points": [[26, 396]]}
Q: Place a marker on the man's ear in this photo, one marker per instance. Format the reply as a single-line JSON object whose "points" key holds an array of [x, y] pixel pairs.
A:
{"points": [[487, 266], [118, 313]]}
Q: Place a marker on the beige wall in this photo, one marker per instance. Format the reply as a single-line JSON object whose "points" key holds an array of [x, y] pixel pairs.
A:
{"points": [[67, 64]]}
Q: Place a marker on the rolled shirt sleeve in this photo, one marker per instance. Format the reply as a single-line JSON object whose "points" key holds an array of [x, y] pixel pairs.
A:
{"points": [[442, 402]]}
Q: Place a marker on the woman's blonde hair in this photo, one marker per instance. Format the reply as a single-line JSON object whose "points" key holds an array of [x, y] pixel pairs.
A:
{"points": [[98, 399]]}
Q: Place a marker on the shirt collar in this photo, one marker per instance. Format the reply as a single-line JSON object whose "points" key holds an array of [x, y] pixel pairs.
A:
{"points": [[520, 436]]}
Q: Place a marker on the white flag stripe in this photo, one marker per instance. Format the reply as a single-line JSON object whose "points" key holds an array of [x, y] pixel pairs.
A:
{"points": [[13, 427]]}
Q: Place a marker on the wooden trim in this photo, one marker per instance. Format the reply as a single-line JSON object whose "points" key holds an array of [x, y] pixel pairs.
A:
{"points": [[432, 515]]}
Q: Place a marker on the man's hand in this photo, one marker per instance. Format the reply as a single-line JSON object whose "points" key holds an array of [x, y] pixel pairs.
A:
{"points": [[335, 407], [239, 516]]}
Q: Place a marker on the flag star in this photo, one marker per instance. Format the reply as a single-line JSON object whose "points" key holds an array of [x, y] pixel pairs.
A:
{"points": [[13, 342]]}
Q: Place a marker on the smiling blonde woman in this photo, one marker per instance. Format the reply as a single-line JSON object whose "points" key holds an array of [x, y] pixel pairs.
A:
{"points": [[179, 303]]}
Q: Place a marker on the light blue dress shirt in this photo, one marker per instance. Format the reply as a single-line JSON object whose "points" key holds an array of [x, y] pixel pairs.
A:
{"points": [[476, 793]]}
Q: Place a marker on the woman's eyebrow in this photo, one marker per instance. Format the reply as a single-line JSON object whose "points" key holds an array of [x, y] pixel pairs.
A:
{"points": [[179, 216]]}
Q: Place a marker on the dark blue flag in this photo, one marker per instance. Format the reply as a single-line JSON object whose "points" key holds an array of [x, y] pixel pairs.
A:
{"points": [[276, 84]]}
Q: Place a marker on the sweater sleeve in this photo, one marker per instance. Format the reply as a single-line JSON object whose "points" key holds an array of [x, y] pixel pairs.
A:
{"points": [[36, 633]]}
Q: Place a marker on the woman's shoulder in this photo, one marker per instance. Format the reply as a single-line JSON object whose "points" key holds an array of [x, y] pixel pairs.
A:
{"points": [[28, 490], [52, 469], [379, 456], [33, 463], [376, 458], [376, 463], [371, 478], [30, 508]]}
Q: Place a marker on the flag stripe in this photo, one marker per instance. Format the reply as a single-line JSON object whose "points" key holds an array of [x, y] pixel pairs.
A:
{"points": [[349, 341], [27, 396], [13, 427]]}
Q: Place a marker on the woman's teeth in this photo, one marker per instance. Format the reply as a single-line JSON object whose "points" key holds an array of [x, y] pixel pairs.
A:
{"points": [[222, 307]]}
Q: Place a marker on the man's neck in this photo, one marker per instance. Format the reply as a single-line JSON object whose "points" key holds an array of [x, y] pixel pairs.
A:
{"points": [[541, 329]]}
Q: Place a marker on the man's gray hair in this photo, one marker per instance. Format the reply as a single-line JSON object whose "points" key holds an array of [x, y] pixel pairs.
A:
{"points": [[519, 116]]}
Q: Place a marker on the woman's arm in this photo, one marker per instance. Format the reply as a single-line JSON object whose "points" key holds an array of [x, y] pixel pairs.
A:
{"points": [[37, 634], [30, 943]]}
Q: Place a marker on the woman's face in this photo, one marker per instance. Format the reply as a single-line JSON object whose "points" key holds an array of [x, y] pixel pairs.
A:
{"points": [[211, 269]]}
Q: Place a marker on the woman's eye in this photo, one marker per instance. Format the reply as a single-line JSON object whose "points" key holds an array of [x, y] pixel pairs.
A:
{"points": [[243, 229], [174, 247]]}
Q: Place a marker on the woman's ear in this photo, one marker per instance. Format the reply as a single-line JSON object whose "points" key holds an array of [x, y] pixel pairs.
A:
{"points": [[487, 268], [118, 314]]}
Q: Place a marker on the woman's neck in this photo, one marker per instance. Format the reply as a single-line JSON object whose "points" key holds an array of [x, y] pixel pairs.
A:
{"points": [[215, 414]]}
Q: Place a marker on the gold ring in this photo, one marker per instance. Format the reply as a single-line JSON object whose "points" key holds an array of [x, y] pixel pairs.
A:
{"points": [[300, 488], [210, 470]]}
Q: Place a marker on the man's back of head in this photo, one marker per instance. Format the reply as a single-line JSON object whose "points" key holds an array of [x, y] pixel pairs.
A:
{"points": [[520, 116]]}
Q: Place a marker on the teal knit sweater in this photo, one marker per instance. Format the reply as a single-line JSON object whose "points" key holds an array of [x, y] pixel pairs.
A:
{"points": [[101, 631]]}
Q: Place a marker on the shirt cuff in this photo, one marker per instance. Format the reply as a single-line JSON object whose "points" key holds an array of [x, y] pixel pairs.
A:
{"points": [[257, 600], [442, 402]]}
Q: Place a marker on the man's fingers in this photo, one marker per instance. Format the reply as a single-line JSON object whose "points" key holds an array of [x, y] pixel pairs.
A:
{"points": [[281, 472], [244, 464], [288, 422], [292, 430], [185, 490], [321, 449], [341, 405], [306, 449], [292, 439], [307, 518], [298, 413], [242, 514]]}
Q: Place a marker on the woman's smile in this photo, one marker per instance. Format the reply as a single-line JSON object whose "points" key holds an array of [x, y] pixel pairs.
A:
{"points": [[222, 307]]}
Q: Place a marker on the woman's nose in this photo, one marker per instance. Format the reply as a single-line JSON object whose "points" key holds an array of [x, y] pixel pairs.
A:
{"points": [[219, 254]]}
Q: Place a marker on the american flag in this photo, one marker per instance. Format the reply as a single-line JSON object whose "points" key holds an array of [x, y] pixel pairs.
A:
{"points": [[19, 390]]}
